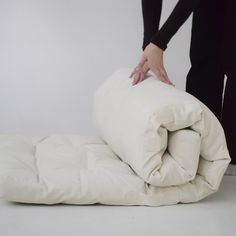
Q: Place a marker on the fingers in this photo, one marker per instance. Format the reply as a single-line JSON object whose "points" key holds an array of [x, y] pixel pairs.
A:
{"points": [[144, 72], [163, 72], [136, 69], [159, 75], [139, 66], [141, 74], [145, 68], [162, 75], [166, 76], [136, 78], [142, 62]]}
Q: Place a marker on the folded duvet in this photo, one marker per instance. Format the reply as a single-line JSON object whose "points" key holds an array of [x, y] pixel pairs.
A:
{"points": [[155, 145]]}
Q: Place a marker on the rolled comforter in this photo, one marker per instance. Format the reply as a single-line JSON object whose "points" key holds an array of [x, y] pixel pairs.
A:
{"points": [[155, 145]]}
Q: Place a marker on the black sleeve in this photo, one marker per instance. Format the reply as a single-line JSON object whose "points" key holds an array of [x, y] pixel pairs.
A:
{"points": [[151, 10], [178, 16]]}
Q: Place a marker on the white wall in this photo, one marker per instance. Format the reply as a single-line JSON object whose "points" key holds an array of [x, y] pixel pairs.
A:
{"points": [[55, 53]]}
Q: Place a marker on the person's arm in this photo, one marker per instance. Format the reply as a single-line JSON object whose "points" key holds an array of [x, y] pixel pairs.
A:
{"points": [[152, 57], [151, 10], [178, 16]]}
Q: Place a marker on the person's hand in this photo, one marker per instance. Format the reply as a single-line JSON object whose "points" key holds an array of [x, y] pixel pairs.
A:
{"points": [[152, 59]]}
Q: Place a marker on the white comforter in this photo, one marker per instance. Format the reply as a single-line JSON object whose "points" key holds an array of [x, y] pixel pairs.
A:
{"points": [[155, 145]]}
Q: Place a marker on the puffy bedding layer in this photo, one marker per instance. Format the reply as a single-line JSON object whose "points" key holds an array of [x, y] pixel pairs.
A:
{"points": [[155, 145]]}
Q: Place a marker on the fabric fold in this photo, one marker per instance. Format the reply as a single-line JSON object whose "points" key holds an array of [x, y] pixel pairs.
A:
{"points": [[154, 145]]}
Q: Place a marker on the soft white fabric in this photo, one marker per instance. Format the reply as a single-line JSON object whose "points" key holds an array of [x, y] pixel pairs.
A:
{"points": [[155, 145]]}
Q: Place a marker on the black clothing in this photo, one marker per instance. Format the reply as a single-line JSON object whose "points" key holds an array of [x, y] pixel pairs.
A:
{"points": [[212, 56], [151, 10]]}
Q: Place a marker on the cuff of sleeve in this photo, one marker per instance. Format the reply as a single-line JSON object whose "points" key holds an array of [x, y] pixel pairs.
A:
{"points": [[158, 43], [145, 43]]}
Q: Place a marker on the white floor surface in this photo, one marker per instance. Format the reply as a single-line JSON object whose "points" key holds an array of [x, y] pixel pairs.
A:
{"points": [[215, 215]]}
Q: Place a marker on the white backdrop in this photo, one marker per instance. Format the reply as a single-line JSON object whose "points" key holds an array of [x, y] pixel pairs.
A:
{"points": [[55, 53]]}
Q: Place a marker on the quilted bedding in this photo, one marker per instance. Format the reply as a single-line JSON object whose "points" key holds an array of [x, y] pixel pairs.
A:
{"points": [[155, 145]]}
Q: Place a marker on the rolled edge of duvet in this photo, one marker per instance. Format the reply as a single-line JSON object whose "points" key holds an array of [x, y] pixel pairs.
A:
{"points": [[166, 135]]}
